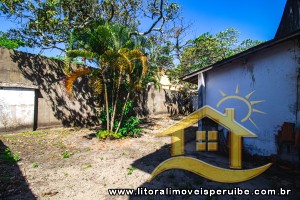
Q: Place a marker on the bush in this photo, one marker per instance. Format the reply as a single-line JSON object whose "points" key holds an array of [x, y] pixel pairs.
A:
{"points": [[128, 128]]}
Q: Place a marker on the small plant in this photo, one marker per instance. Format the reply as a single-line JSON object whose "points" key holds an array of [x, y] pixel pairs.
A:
{"points": [[130, 128], [130, 170], [86, 166], [101, 158], [36, 133], [35, 165], [8, 156], [67, 154], [103, 134]]}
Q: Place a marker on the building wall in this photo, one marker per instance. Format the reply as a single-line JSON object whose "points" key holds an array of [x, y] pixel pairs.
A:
{"points": [[16, 108], [272, 75]]}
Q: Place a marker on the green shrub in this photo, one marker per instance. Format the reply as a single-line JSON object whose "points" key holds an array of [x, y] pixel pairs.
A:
{"points": [[128, 128]]}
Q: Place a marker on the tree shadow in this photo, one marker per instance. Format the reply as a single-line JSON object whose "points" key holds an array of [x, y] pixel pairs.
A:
{"points": [[178, 102], [48, 75], [184, 180], [13, 184]]}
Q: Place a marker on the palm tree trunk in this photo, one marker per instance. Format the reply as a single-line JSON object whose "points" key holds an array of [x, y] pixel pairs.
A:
{"points": [[123, 110], [106, 104], [115, 105]]}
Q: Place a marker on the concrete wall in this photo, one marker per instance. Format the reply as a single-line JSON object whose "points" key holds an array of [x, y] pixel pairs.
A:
{"points": [[272, 75], [162, 101], [53, 106]]}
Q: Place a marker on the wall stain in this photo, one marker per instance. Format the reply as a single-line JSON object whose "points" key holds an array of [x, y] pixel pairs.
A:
{"points": [[250, 68]]}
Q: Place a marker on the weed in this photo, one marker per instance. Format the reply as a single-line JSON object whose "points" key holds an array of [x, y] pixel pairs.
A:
{"points": [[35, 133], [123, 154], [8, 156], [86, 166], [67, 154], [88, 149], [130, 170], [102, 134], [34, 165], [101, 158]]}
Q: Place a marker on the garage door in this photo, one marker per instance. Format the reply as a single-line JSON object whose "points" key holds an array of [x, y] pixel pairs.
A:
{"points": [[16, 108]]}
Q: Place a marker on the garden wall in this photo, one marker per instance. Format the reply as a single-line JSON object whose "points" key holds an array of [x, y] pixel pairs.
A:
{"points": [[51, 106]]}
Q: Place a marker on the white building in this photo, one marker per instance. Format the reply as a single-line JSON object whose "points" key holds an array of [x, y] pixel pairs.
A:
{"points": [[261, 83]]}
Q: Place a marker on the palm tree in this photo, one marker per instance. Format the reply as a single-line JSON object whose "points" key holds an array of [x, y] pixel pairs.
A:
{"points": [[119, 63]]}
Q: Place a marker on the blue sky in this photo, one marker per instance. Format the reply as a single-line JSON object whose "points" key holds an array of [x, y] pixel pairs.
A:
{"points": [[255, 19]]}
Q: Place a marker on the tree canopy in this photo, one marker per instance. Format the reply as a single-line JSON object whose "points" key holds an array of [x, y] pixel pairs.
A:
{"points": [[208, 49]]}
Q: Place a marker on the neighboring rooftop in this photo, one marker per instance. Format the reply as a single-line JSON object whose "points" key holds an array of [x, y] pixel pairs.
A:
{"points": [[290, 19]]}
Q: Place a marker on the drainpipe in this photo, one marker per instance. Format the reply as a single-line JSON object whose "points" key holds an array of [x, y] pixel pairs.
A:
{"points": [[201, 96]]}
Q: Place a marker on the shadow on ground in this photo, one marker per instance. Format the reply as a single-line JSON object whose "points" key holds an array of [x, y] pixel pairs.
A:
{"points": [[273, 179], [13, 184]]}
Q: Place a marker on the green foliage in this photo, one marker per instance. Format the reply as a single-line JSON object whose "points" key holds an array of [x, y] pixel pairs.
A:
{"points": [[67, 154], [50, 23], [5, 42], [103, 134], [130, 127], [8, 156], [208, 49], [35, 165], [130, 170]]}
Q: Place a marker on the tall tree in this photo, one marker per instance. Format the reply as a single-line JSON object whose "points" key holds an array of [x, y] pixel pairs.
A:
{"points": [[49, 24], [208, 49], [121, 67]]}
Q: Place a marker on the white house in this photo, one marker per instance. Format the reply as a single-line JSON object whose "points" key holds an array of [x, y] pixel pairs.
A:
{"points": [[261, 83]]}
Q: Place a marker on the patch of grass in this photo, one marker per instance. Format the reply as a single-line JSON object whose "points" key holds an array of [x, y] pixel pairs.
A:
{"points": [[67, 154], [130, 170], [8, 156], [35, 165], [88, 148], [86, 166], [36, 133]]}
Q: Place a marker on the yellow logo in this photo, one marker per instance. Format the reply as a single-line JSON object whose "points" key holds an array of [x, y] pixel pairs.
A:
{"points": [[208, 142]]}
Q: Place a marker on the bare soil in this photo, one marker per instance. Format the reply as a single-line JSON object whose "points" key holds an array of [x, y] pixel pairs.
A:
{"points": [[73, 164]]}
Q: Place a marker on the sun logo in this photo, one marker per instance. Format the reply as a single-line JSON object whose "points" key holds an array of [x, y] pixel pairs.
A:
{"points": [[246, 100]]}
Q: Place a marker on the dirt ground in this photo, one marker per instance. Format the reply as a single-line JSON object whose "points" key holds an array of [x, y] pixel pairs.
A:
{"points": [[74, 164]]}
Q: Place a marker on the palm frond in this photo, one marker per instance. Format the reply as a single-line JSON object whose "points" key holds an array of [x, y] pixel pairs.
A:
{"points": [[81, 53], [144, 60], [124, 54], [96, 83], [69, 81]]}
